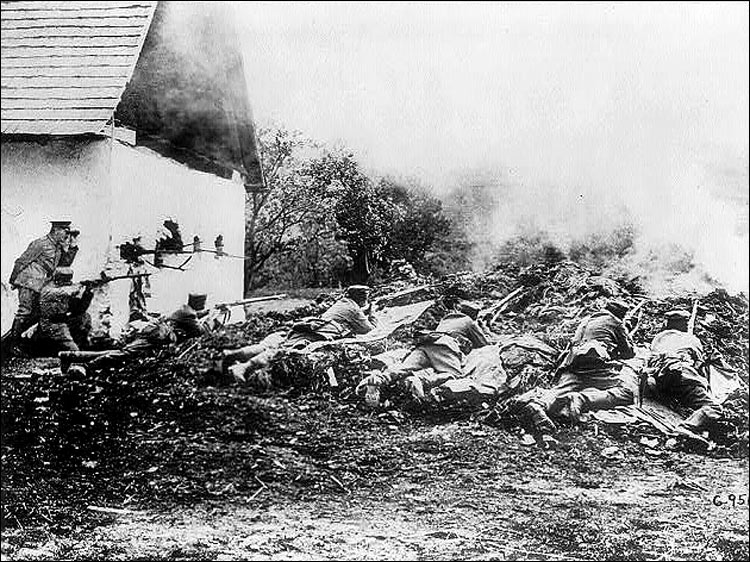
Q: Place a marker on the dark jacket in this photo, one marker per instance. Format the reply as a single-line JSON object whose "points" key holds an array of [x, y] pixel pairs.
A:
{"points": [[34, 268], [599, 338], [185, 322]]}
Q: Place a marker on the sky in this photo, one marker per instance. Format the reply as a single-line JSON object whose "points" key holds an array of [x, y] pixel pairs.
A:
{"points": [[586, 108]]}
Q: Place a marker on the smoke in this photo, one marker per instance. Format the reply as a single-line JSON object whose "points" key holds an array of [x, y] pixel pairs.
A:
{"points": [[689, 223], [574, 118]]}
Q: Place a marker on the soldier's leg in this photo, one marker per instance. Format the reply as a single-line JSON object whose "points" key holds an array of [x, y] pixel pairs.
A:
{"points": [[59, 337], [606, 392], [28, 310], [249, 351], [80, 329], [686, 385], [537, 405], [692, 391], [438, 364], [110, 358], [67, 358], [411, 371], [260, 360], [26, 316], [371, 386], [445, 361]]}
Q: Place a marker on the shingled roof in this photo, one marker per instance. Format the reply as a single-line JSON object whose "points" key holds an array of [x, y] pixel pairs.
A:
{"points": [[65, 64]]}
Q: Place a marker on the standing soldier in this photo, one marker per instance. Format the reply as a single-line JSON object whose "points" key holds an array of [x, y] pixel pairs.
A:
{"points": [[32, 270]]}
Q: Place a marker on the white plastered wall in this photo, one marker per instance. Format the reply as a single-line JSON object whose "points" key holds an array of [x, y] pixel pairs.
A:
{"points": [[148, 189], [115, 192], [65, 179]]}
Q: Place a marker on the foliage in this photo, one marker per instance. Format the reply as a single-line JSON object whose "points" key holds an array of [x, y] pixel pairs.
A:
{"points": [[601, 248], [421, 223], [321, 221], [275, 215]]}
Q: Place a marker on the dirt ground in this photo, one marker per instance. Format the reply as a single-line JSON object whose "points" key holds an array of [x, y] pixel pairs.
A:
{"points": [[232, 475], [370, 486]]}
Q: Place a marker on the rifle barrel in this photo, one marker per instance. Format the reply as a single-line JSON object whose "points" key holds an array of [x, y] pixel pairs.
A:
{"points": [[250, 300], [636, 308]]}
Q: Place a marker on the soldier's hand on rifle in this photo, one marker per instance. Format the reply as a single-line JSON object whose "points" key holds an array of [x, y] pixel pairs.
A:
{"points": [[95, 282]]}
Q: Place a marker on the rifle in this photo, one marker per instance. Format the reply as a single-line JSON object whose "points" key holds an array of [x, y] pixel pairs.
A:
{"points": [[693, 315], [491, 314], [630, 315], [227, 305], [104, 279], [398, 296], [220, 313]]}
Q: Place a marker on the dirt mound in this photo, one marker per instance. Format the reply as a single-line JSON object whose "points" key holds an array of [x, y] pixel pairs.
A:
{"points": [[60, 432]]}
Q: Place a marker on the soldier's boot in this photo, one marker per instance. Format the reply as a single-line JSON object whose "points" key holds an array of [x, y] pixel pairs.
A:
{"points": [[414, 386], [65, 361], [7, 343], [699, 419], [576, 406], [67, 358], [12, 339], [539, 419]]}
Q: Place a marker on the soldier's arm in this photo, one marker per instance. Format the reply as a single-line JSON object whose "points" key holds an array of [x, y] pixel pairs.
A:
{"points": [[624, 343], [31, 253], [477, 336], [360, 323]]}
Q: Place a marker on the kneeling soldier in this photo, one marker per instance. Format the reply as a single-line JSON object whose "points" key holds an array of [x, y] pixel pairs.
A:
{"points": [[64, 324]]}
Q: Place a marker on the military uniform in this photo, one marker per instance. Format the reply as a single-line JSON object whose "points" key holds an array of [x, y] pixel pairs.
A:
{"points": [[144, 337], [64, 323], [592, 375], [677, 359], [439, 356], [31, 272], [592, 367], [185, 322], [343, 319]]}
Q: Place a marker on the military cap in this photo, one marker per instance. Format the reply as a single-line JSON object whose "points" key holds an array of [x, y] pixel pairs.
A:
{"points": [[60, 224], [617, 307], [468, 308], [358, 292], [197, 301], [675, 315]]}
